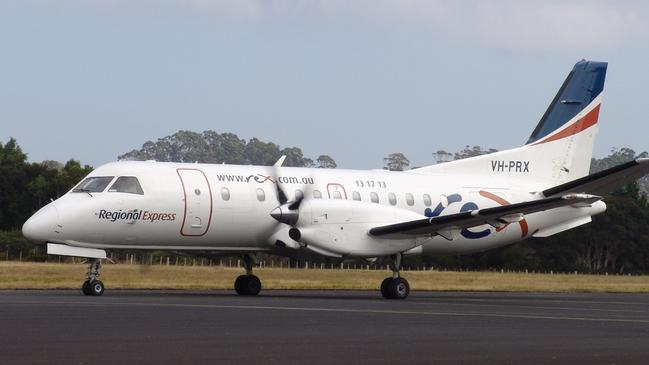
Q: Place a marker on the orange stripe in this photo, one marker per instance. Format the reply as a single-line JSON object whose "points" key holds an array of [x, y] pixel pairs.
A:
{"points": [[582, 124], [524, 228], [494, 197], [501, 201]]}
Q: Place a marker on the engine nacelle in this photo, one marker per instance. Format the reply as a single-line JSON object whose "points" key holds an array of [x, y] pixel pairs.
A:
{"points": [[340, 227]]}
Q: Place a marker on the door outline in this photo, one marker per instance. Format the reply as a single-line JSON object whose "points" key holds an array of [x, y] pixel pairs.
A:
{"points": [[336, 185], [209, 188]]}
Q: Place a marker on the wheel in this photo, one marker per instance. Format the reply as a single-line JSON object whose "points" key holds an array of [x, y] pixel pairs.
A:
{"points": [[399, 288], [85, 288], [253, 285], [247, 285], [238, 286], [384, 287], [96, 288]]}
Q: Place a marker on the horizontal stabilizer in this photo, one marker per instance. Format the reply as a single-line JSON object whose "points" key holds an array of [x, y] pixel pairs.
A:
{"points": [[443, 224], [604, 182]]}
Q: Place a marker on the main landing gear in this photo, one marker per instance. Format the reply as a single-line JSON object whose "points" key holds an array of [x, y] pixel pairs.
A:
{"points": [[93, 286], [248, 284], [395, 287]]}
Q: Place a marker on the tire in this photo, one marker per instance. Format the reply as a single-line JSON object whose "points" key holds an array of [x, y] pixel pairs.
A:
{"points": [[96, 288], [238, 286], [399, 288], [253, 285], [384, 288], [247, 285], [85, 288]]}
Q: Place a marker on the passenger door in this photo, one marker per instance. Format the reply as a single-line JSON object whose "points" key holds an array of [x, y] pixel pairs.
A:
{"points": [[198, 202], [336, 191]]}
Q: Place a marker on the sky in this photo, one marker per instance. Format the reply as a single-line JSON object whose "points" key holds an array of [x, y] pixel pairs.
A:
{"points": [[354, 79]]}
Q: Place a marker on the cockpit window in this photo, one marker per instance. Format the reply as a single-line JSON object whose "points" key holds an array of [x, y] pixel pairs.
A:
{"points": [[95, 184], [126, 184]]}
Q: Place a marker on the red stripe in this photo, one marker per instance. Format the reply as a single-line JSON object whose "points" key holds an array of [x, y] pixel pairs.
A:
{"points": [[581, 125]]}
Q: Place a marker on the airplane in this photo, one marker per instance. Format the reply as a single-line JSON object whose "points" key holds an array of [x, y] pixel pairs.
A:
{"points": [[536, 190]]}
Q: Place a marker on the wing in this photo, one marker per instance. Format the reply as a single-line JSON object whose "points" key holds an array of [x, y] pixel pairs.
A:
{"points": [[496, 216], [605, 181]]}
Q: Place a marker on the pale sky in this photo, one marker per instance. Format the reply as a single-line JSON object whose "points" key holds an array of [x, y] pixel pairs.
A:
{"points": [[356, 80]]}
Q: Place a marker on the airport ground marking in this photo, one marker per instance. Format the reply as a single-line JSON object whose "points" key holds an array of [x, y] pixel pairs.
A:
{"points": [[534, 307], [332, 310]]}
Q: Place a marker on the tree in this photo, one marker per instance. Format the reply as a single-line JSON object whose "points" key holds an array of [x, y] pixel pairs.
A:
{"points": [[396, 162], [15, 198], [224, 148], [71, 174], [442, 156], [619, 156], [325, 162], [469, 151], [258, 152], [212, 147], [295, 158]]}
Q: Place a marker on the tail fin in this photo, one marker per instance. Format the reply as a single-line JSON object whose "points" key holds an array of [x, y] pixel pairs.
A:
{"points": [[576, 105], [560, 147]]}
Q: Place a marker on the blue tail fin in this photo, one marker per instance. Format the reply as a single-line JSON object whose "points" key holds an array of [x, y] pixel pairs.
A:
{"points": [[584, 83]]}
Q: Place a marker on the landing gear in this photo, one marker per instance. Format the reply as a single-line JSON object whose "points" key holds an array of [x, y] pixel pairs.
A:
{"points": [[93, 286], [248, 284], [395, 287]]}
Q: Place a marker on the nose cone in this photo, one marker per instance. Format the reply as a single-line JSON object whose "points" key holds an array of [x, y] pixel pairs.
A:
{"points": [[40, 227], [285, 215]]}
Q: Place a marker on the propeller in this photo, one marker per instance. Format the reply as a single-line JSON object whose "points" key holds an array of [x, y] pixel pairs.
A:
{"points": [[287, 212]]}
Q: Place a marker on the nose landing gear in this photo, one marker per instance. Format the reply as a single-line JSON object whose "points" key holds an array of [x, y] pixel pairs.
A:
{"points": [[93, 286], [395, 287], [248, 284]]}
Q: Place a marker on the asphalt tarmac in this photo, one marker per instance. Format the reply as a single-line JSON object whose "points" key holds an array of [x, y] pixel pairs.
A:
{"points": [[322, 327]]}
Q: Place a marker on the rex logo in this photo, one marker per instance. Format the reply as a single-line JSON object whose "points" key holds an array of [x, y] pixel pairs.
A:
{"points": [[469, 206]]}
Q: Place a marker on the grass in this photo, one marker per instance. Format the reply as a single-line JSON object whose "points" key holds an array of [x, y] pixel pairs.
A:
{"points": [[22, 275]]}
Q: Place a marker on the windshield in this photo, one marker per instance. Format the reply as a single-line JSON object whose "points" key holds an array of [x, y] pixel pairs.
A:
{"points": [[93, 184], [126, 184]]}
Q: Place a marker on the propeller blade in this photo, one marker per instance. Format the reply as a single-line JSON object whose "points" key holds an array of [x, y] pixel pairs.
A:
{"points": [[296, 204], [281, 196], [280, 161], [288, 211]]}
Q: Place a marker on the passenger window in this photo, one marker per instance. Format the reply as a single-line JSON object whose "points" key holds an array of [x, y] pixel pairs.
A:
{"points": [[392, 199], [299, 194], [95, 184], [374, 197], [337, 195], [317, 194], [410, 200], [225, 193], [443, 199], [126, 184], [427, 201], [356, 195], [261, 194]]}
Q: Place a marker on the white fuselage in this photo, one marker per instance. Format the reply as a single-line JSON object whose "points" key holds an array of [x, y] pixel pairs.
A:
{"points": [[225, 208]]}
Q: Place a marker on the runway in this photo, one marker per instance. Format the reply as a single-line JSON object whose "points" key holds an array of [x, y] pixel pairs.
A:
{"points": [[322, 327]]}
